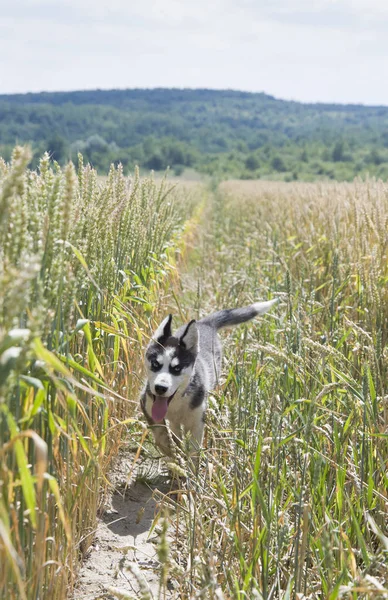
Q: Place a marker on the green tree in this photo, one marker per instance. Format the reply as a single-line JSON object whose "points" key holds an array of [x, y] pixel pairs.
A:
{"points": [[156, 162], [304, 156], [278, 164], [252, 162], [374, 158], [338, 152], [57, 148]]}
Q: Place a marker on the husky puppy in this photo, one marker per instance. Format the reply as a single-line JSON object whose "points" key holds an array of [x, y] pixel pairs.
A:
{"points": [[182, 368]]}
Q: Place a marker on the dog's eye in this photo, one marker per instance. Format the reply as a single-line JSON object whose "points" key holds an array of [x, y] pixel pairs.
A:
{"points": [[155, 366], [177, 369]]}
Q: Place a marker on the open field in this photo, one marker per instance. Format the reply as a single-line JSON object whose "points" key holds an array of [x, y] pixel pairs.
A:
{"points": [[291, 498], [83, 266], [293, 493]]}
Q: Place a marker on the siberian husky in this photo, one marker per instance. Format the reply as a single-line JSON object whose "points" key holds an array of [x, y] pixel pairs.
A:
{"points": [[182, 368]]}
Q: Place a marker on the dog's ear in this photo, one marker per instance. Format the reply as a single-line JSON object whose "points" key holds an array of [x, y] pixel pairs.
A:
{"points": [[163, 332], [189, 338]]}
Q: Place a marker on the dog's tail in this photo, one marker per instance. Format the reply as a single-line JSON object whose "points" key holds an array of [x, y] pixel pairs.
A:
{"points": [[234, 316]]}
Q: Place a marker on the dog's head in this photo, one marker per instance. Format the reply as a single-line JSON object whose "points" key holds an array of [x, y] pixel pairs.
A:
{"points": [[170, 362]]}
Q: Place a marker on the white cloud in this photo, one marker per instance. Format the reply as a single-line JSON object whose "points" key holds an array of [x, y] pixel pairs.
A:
{"points": [[329, 50]]}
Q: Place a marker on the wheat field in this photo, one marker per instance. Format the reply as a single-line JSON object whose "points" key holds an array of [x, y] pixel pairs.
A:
{"points": [[291, 496], [291, 501]]}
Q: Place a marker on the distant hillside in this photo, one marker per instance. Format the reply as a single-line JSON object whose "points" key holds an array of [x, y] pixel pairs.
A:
{"points": [[219, 132]]}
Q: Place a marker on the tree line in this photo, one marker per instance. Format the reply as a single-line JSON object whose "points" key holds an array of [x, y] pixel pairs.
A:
{"points": [[223, 133]]}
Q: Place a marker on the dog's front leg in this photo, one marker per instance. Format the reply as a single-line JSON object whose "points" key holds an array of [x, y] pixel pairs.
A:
{"points": [[162, 439], [195, 439]]}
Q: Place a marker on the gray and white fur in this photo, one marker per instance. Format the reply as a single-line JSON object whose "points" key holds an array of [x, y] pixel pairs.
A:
{"points": [[182, 368]]}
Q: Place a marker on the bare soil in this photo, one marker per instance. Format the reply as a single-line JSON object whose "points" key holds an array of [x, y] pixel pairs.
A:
{"points": [[123, 557]]}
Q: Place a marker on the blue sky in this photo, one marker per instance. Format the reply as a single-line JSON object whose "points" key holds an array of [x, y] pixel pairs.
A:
{"points": [[308, 50]]}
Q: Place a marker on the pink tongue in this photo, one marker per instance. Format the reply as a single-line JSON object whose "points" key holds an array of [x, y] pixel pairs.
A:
{"points": [[159, 408]]}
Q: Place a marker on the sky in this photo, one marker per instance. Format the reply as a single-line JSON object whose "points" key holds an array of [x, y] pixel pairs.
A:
{"points": [[306, 50]]}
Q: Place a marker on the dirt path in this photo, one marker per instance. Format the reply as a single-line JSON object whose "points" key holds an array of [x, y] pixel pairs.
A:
{"points": [[122, 561], [123, 557]]}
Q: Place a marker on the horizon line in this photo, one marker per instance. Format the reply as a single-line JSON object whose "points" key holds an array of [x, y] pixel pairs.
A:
{"points": [[193, 89]]}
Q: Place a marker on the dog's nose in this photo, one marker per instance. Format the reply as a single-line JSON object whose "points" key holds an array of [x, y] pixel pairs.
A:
{"points": [[160, 389]]}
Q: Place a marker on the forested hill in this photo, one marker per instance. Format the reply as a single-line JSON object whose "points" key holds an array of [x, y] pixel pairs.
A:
{"points": [[219, 132]]}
